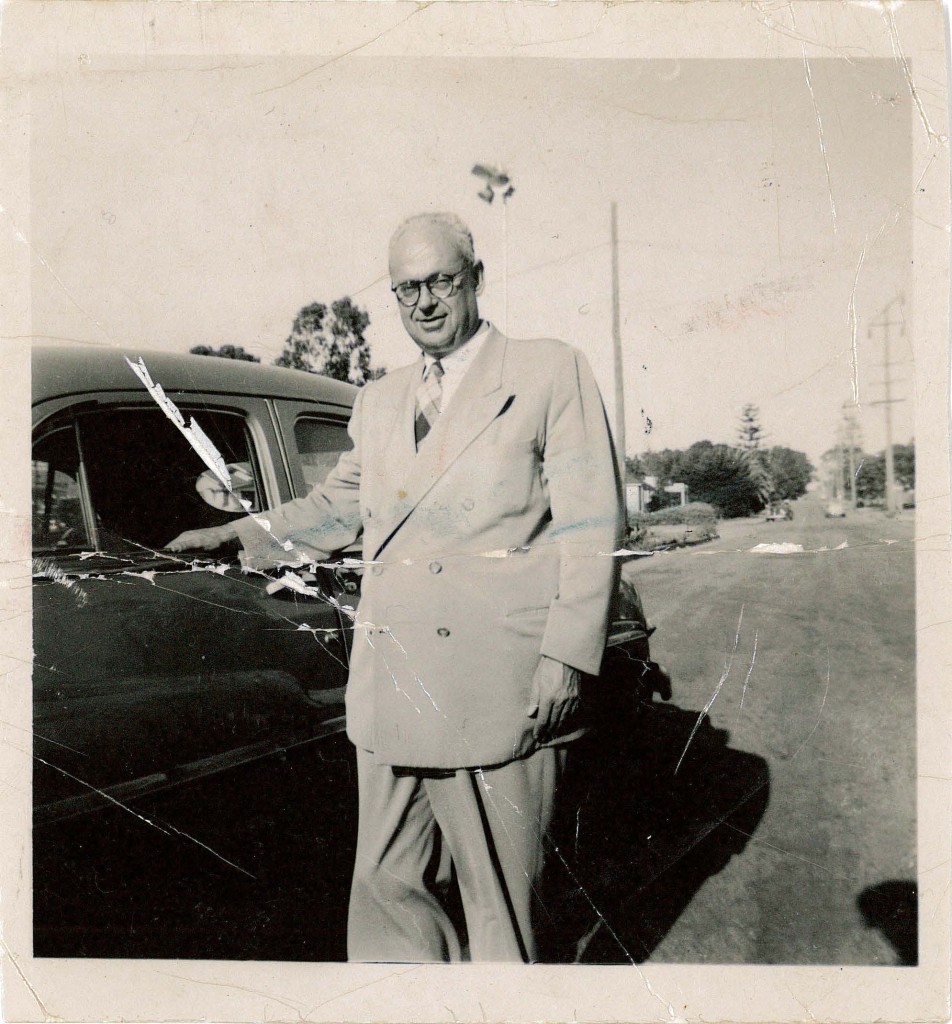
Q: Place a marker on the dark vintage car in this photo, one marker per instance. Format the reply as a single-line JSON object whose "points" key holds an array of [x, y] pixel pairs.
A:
{"points": [[152, 670]]}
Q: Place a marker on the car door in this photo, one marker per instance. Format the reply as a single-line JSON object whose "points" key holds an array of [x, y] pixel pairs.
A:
{"points": [[153, 669], [314, 434]]}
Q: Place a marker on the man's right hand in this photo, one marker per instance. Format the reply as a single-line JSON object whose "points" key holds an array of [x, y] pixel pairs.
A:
{"points": [[202, 540]]}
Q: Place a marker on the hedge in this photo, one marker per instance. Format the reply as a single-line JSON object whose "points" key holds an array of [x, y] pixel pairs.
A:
{"points": [[695, 513]]}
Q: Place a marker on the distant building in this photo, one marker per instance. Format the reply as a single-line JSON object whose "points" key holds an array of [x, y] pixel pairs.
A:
{"points": [[680, 489], [637, 496], [639, 492]]}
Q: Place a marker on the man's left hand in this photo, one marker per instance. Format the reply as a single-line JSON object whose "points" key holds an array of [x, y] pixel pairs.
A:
{"points": [[555, 697]]}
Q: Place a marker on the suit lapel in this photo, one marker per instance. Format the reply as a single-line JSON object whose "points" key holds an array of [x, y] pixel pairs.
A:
{"points": [[477, 402], [397, 416]]}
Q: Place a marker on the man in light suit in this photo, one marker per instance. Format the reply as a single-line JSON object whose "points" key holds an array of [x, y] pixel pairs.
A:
{"points": [[483, 479]]}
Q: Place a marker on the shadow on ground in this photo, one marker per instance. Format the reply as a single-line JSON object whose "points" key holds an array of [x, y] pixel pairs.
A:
{"points": [[646, 831], [893, 908]]}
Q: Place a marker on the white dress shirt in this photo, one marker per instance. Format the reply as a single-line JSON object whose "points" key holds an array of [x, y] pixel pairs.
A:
{"points": [[457, 363]]}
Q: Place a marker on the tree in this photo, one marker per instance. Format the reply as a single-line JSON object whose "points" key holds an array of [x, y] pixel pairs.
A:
{"points": [[225, 352], [331, 342], [790, 472], [634, 468], [735, 481], [664, 465], [750, 438], [871, 477], [871, 474], [660, 500], [750, 435], [725, 477], [904, 464]]}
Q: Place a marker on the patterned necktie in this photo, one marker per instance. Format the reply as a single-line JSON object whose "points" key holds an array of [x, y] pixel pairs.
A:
{"points": [[429, 398]]}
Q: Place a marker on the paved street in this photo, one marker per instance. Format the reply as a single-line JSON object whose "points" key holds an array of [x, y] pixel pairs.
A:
{"points": [[807, 661], [790, 815]]}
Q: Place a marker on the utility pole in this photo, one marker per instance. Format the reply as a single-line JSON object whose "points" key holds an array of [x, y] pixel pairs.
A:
{"points": [[849, 418], [844, 464], [839, 487], [888, 401], [616, 340]]}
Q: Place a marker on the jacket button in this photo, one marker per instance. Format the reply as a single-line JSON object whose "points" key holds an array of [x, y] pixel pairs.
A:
{"points": [[469, 504], [435, 567], [442, 631]]}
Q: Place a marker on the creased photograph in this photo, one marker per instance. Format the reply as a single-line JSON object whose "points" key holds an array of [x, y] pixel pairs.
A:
{"points": [[488, 546]]}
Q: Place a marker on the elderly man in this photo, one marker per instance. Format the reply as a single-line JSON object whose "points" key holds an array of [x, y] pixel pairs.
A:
{"points": [[483, 479]]}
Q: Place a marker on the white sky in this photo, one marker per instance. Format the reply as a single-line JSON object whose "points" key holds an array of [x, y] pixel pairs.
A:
{"points": [[761, 206]]}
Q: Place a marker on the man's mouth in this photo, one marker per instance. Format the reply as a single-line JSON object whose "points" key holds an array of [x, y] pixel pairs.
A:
{"points": [[432, 324]]}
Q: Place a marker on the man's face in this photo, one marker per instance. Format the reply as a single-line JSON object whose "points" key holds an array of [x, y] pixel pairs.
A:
{"points": [[438, 326]]}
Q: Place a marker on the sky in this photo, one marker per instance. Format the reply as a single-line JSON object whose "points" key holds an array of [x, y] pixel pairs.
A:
{"points": [[763, 212]]}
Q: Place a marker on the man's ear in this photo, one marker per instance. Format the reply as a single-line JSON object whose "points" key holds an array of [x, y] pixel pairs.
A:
{"points": [[478, 276]]}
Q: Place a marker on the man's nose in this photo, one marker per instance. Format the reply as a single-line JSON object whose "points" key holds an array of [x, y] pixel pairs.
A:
{"points": [[426, 300]]}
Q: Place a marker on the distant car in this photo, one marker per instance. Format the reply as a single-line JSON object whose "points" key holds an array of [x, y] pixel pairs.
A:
{"points": [[778, 513], [151, 669], [835, 510]]}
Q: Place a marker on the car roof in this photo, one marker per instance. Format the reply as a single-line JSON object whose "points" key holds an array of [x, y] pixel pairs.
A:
{"points": [[80, 369]]}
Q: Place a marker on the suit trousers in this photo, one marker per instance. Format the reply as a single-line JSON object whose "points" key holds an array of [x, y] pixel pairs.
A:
{"points": [[489, 823]]}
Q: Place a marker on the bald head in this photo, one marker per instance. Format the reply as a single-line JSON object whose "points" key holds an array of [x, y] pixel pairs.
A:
{"points": [[448, 225]]}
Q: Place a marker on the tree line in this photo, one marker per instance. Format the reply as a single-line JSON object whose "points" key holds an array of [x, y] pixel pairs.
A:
{"points": [[735, 482], [738, 480], [869, 472], [329, 340]]}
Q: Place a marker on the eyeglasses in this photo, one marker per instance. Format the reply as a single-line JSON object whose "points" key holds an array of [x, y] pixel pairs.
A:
{"points": [[440, 286]]}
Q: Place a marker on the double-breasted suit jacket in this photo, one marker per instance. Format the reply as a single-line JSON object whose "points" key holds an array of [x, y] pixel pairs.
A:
{"points": [[486, 549]]}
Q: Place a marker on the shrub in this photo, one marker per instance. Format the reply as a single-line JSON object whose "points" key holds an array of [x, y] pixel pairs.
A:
{"points": [[661, 500], [695, 513]]}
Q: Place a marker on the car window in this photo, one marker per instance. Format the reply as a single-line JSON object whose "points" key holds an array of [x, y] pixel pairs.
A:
{"points": [[319, 443], [58, 520], [147, 484]]}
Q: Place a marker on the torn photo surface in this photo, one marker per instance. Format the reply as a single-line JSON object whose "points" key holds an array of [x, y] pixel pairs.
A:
{"points": [[488, 540]]}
